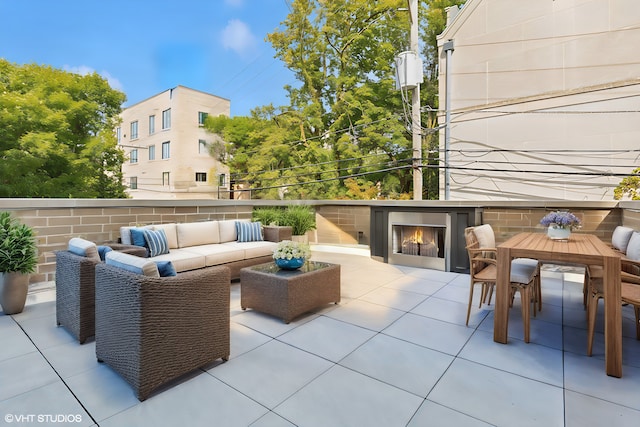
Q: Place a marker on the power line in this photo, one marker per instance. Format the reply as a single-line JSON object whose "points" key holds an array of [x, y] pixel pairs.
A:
{"points": [[317, 181], [349, 159], [335, 170]]}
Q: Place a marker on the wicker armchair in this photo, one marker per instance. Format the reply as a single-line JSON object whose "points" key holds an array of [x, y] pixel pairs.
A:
{"points": [[153, 330], [75, 294], [75, 290]]}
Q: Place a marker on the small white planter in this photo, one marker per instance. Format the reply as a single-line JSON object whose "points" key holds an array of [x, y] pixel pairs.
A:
{"points": [[558, 233]]}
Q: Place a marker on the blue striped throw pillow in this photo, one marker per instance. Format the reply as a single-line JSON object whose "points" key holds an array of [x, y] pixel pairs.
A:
{"points": [[156, 242], [249, 231]]}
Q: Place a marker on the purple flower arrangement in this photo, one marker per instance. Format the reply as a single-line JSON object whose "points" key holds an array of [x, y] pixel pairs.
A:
{"points": [[561, 219]]}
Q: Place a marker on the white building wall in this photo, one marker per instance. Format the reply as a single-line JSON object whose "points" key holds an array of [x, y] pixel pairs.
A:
{"points": [[545, 98], [183, 135]]}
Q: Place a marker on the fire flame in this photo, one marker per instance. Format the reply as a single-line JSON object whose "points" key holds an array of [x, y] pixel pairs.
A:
{"points": [[416, 237]]}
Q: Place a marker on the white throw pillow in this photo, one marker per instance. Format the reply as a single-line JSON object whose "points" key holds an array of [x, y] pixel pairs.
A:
{"points": [[633, 248], [620, 238]]}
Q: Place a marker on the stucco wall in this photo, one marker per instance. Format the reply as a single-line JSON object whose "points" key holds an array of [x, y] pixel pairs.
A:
{"points": [[544, 98]]}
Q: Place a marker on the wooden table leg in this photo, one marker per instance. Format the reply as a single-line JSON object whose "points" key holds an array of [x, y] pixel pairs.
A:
{"points": [[612, 317], [501, 313]]}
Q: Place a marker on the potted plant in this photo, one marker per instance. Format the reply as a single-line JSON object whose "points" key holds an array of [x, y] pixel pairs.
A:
{"points": [[18, 258], [291, 255], [300, 218], [267, 215], [560, 224]]}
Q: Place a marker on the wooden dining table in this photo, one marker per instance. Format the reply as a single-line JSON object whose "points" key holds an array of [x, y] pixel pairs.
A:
{"points": [[584, 249]]}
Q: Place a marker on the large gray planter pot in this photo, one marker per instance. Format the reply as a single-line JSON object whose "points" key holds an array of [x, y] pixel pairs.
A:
{"points": [[13, 292]]}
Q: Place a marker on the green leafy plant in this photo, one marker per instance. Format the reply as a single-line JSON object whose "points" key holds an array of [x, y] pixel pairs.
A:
{"points": [[300, 218], [267, 215], [18, 249]]}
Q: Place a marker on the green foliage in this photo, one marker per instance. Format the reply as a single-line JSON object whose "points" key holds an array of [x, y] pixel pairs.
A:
{"points": [[267, 215], [345, 121], [300, 218], [629, 186], [18, 250], [56, 134]]}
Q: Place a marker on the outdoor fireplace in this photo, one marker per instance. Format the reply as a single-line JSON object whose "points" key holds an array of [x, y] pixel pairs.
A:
{"points": [[419, 239]]}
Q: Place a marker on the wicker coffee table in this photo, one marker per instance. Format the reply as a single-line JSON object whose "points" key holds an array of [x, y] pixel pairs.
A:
{"points": [[287, 294]]}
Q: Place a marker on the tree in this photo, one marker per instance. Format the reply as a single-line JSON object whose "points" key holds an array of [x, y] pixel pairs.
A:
{"points": [[343, 51], [629, 186], [345, 120], [56, 134]]}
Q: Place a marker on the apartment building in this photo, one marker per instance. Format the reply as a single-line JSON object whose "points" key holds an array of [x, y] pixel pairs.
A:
{"points": [[543, 98], [168, 150]]}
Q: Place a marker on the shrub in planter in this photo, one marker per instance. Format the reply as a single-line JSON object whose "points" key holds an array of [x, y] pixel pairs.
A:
{"points": [[18, 258], [267, 215], [300, 218]]}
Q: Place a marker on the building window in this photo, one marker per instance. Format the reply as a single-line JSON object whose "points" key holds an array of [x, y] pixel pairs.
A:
{"points": [[119, 134], [202, 147], [165, 178], [134, 130], [152, 152], [166, 119], [201, 177], [222, 180], [133, 156], [165, 150], [152, 125], [202, 116], [133, 183]]}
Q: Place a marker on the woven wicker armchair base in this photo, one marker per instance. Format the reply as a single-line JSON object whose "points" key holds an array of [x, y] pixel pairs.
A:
{"points": [[75, 294], [154, 330], [75, 290]]}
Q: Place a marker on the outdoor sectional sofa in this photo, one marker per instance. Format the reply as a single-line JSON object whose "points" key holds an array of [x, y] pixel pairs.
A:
{"points": [[195, 245]]}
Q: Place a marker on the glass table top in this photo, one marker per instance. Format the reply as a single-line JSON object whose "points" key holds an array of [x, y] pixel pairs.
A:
{"points": [[272, 268]]}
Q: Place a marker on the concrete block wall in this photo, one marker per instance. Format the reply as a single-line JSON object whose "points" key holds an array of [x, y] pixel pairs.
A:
{"points": [[343, 225], [101, 224], [338, 222], [507, 222], [631, 218]]}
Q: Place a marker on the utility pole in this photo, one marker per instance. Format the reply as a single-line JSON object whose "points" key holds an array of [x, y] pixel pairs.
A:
{"points": [[416, 124]]}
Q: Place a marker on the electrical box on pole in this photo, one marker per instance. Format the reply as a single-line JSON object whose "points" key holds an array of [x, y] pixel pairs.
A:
{"points": [[408, 70]]}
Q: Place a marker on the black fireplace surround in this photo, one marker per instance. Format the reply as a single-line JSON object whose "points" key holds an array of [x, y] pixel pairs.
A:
{"points": [[445, 246]]}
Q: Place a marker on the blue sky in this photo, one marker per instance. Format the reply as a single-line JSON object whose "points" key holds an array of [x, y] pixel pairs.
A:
{"points": [[144, 47]]}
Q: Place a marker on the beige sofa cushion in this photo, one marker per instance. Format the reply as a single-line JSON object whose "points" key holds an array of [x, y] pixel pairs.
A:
{"points": [[228, 232], [257, 249], [183, 259], [198, 233], [219, 253], [171, 231]]}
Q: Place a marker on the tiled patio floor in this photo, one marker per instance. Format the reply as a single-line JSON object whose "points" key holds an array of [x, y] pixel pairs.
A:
{"points": [[394, 352]]}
